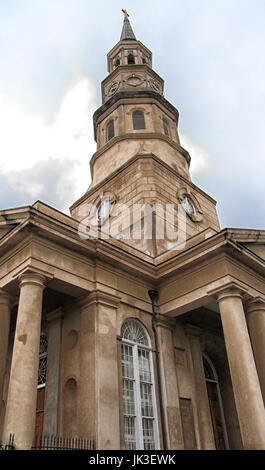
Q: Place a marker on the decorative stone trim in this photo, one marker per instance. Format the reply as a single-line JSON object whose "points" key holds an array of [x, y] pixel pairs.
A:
{"points": [[99, 297]]}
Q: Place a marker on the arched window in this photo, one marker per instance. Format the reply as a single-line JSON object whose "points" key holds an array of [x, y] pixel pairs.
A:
{"points": [[131, 59], [166, 127], [117, 62], [215, 404], [42, 360], [138, 120], [140, 417], [110, 130]]}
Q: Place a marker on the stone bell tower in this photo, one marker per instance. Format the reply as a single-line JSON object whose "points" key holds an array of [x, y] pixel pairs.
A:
{"points": [[139, 158]]}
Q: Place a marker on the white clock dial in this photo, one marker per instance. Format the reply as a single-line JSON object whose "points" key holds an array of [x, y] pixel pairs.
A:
{"points": [[103, 210], [188, 206]]}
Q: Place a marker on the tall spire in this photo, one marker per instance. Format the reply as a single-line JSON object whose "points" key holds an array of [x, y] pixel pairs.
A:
{"points": [[127, 32]]}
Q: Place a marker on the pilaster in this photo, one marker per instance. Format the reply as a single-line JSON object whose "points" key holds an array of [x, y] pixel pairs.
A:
{"points": [[170, 388], [50, 424], [206, 435], [100, 378]]}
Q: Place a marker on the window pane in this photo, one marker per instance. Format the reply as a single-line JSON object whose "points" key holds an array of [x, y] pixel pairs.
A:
{"points": [[146, 400], [138, 120], [148, 434], [144, 365], [127, 362], [128, 397], [129, 433]]}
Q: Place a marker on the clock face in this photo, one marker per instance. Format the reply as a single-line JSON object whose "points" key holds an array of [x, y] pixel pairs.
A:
{"points": [[113, 88], [188, 206]]}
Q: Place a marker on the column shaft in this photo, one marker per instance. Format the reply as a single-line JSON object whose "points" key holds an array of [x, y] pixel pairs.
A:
{"points": [[22, 394], [256, 326], [245, 381]]}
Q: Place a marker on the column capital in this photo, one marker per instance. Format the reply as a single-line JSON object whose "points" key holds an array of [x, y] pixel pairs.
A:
{"points": [[33, 275], [229, 290], [256, 304], [32, 278]]}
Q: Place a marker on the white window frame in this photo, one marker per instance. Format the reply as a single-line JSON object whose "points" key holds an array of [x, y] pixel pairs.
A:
{"points": [[137, 391]]}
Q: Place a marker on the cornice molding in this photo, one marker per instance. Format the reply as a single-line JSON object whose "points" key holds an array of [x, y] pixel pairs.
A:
{"points": [[120, 96], [140, 136]]}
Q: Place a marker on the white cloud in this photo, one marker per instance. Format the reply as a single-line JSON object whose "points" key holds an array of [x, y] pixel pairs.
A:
{"points": [[199, 156], [28, 142]]}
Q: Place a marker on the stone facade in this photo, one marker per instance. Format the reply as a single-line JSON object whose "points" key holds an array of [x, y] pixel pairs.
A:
{"points": [[133, 324]]}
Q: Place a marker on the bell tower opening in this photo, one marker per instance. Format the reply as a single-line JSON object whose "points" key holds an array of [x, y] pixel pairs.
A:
{"points": [[131, 59]]}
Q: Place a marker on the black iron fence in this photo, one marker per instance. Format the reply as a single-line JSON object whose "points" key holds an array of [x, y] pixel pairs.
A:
{"points": [[10, 445], [62, 443], [53, 443]]}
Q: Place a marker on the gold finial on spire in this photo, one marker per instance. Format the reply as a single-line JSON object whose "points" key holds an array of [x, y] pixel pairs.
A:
{"points": [[126, 14]]}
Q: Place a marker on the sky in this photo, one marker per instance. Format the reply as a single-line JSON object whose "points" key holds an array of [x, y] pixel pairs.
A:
{"points": [[210, 54]]}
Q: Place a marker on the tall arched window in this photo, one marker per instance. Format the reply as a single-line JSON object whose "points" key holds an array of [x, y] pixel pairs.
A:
{"points": [[110, 130], [138, 120], [140, 417], [215, 404]]}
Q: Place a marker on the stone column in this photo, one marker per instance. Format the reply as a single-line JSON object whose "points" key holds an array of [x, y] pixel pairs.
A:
{"points": [[256, 325], [248, 398], [207, 441], [22, 394], [170, 389], [5, 311], [50, 422]]}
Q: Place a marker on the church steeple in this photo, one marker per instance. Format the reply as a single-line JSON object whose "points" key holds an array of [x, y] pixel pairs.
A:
{"points": [[128, 51], [139, 159], [127, 32]]}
